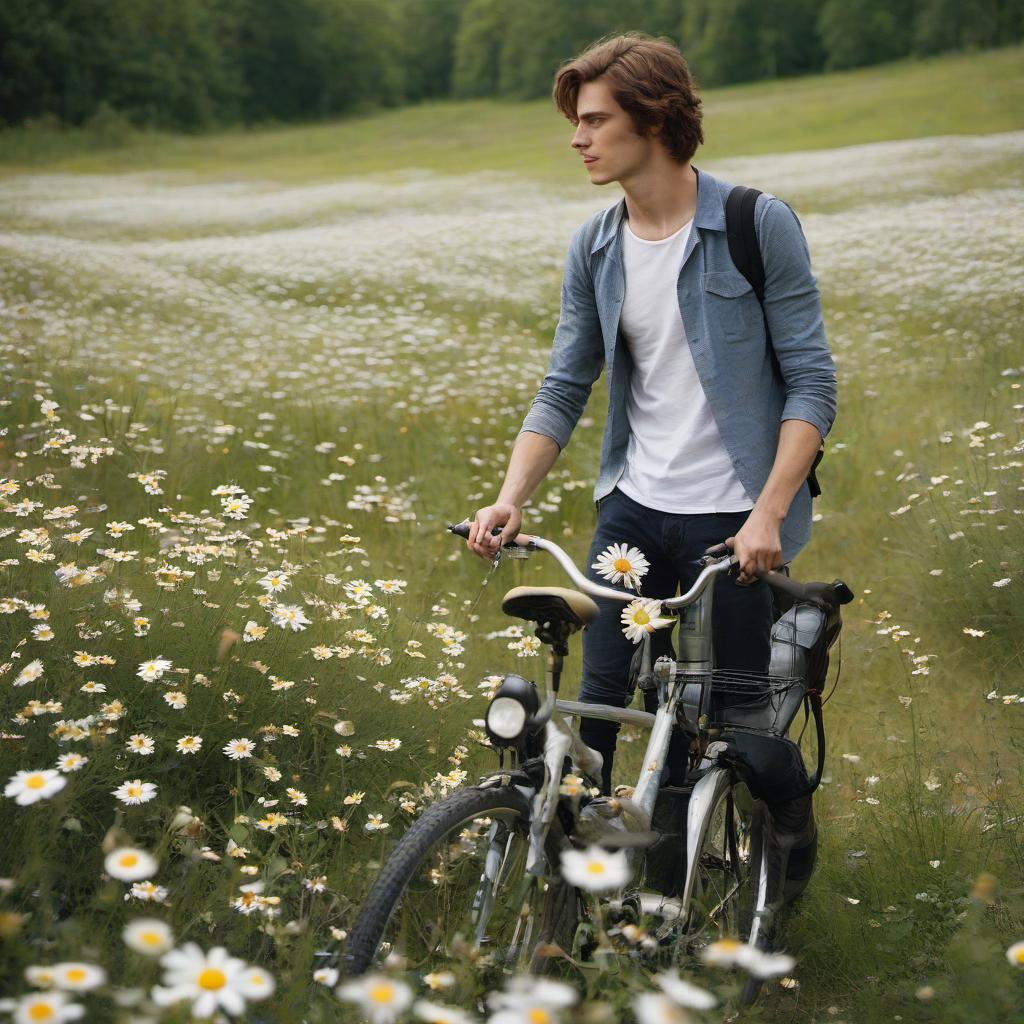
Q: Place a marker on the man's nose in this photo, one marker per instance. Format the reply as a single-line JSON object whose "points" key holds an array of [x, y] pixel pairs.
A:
{"points": [[579, 139]]}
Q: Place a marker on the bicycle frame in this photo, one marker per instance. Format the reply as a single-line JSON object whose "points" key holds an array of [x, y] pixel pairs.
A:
{"points": [[687, 682], [561, 738]]}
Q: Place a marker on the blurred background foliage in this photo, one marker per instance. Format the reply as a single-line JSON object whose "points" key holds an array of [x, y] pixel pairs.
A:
{"points": [[193, 65]]}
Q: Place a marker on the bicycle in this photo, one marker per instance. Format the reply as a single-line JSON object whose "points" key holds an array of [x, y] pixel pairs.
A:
{"points": [[478, 874]]}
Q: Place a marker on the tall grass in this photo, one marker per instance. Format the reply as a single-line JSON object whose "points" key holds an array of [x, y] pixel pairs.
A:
{"points": [[224, 338]]}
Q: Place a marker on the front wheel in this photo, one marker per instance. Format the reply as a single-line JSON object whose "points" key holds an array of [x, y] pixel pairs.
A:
{"points": [[457, 882]]}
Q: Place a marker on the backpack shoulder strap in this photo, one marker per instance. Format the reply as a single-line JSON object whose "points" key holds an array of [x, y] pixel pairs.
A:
{"points": [[742, 234], [745, 252]]}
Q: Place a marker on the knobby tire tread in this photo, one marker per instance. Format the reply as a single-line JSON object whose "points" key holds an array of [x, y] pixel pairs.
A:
{"points": [[400, 866]]}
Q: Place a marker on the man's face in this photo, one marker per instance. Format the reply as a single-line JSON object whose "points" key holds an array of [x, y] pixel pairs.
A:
{"points": [[605, 137]]}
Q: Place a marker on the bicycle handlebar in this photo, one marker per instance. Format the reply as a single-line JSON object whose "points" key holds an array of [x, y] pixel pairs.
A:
{"points": [[718, 559]]}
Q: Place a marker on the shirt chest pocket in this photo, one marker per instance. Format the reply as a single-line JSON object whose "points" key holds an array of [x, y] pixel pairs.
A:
{"points": [[731, 309]]}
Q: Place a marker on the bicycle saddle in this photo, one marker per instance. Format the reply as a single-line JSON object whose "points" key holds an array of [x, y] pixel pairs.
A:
{"points": [[550, 604]]}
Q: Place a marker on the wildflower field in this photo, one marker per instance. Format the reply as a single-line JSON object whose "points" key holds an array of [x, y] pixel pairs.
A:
{"points": [[239, 654]]}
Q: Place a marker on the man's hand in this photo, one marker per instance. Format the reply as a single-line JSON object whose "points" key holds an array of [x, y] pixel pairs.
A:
{"points": [[757, 546], [502, 514]]}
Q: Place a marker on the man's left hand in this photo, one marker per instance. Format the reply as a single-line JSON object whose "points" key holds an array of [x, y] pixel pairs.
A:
{"points": [[757, 545]]}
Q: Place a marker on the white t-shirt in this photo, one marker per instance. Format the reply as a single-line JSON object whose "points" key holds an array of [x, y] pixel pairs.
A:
{"points": [[675, 461]]}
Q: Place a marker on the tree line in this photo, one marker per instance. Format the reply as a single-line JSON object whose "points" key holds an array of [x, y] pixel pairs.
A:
{"points": [[197, 64]]}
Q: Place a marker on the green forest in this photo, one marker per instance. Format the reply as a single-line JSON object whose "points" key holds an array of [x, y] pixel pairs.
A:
{"points": [[192, 65]]}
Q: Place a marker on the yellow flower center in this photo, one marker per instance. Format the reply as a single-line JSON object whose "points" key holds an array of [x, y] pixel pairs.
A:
{"points": [[75, 974], [382, 994], [151, 938], [538, 1016], [623, 565], [129, 860], [1018, 956], [135, 791], [727, 945], [40, 1011], [211, 978], [35, 782], [640, 617], [595, 867]]}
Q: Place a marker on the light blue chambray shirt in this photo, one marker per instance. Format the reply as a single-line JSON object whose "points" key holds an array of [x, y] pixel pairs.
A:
{"points": [[751, 384]]}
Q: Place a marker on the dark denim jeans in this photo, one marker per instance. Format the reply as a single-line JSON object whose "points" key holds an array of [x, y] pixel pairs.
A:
{"points": [[673, 544]]}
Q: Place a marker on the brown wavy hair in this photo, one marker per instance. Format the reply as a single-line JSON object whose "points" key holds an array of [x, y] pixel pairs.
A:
{"points": [[649, 79]]}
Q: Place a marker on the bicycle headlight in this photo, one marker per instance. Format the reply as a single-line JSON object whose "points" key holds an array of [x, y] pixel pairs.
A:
{"points": [[514, 703], [506, 717]]}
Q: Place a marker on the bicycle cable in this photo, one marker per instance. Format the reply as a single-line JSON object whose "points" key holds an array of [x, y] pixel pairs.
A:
{"points": [[839, 670]]}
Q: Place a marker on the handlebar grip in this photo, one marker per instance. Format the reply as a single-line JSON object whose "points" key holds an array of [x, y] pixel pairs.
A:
{"points": [[834, 593], [462, 530]]}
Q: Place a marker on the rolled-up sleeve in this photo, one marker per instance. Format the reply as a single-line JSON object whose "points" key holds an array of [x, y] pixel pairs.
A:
{"points": [[792, 306], [577, 354]]}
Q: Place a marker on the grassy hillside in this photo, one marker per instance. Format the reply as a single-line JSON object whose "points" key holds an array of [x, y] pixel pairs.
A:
{"points": [[960, 94], [240, 402]]}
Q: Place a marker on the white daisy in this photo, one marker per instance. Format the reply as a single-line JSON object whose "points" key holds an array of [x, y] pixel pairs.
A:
{"points": [[239, 749], [211, 980], [435, 1013], [595, 869], [52, 1007], [129, 864], [381, 999], [140, 743], [148, 935], [684, 993], [31, 672], [274, 582], [135, 792], [1015, 954], [326, 976], [725, 953], [769, 965], [148, 892], [77, 977], [150, 671], [40, 976], [536, 1000], [256, 983], [732, 952], [642, 615], [189, 744], [285, 615], [655, 1008], [71, 762], [28, 787], [619, 562]]}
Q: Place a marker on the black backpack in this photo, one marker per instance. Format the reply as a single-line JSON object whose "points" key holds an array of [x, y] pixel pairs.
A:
{"points": [[746, 256]]}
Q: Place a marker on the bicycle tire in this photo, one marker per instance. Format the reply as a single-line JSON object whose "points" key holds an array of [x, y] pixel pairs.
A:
{"points": [[412, 857], [764, 940], [724, 898]]}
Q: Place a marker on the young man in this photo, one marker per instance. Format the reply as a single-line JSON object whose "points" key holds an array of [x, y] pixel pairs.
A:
{"points": [[713, 422]]}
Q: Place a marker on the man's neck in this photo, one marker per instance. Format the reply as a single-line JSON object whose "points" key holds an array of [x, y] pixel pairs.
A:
{"points": [[661, 200]]}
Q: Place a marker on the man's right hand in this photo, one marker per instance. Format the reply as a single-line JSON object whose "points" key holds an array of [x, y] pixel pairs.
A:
{"points": [[502, 514]]}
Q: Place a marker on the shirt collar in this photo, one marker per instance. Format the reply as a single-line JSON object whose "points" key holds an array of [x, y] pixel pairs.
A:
{"points": [[710, 212]]}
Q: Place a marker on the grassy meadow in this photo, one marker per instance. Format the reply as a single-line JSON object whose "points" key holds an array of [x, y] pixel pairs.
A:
{"points": [[249, 378]]}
